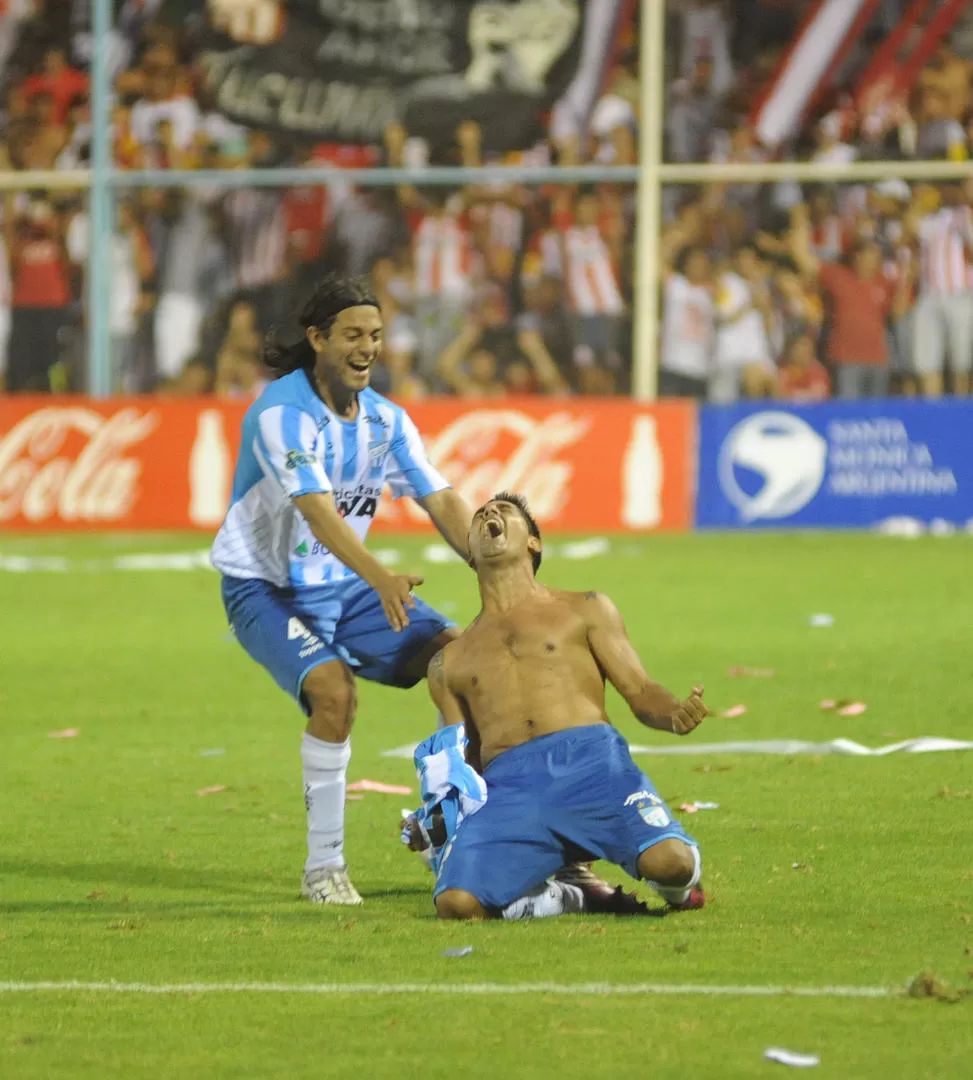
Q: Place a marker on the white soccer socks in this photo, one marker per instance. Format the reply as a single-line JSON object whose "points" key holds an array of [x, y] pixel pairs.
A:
{"points": [[679, 894], [547, 899], [325, 770]]}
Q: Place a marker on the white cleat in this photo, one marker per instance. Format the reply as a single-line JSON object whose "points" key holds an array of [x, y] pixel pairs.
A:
{"points": [[329, 885]]}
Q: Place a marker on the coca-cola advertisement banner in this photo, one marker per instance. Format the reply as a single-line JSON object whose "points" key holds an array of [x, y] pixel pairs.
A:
{"points": [[342, 71], [151, 463]]}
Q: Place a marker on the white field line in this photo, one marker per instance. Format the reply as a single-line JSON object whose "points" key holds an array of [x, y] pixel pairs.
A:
{"points": [[453, 988], [199, 559]]}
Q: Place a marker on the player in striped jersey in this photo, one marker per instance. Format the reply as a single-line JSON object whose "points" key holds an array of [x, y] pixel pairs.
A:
{"points": [[303, 595]]}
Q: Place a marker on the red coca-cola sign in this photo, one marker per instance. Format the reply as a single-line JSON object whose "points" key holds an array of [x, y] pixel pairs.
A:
{"points": [[149, 463]]}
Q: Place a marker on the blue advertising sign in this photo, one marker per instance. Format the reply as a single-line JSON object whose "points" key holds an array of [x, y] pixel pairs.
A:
{"points": [[847, 464]]}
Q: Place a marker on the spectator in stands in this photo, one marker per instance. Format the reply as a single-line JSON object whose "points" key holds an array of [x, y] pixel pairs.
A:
{"points": [[614, 120], [743, 360], [256, 229], [77, 149], [862, 298], [590, 253], [131, 271], [446, 264], [830, 148], [51, 134], [944, 85], [688, 321], [545, 313], [393, 288], [126, 149], [705, 31], [41, 300], [489, 361], [944, 308], [192, 276], [164, 95], [802, 377], [693, 107], [239, 366], [59, 80]]}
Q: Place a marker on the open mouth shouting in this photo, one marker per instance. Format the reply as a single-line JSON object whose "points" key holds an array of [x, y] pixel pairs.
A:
{"points": [[493, 526]]}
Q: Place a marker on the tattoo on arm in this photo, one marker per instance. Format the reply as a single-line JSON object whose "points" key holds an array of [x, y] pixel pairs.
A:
{"points": [[591, 595]]}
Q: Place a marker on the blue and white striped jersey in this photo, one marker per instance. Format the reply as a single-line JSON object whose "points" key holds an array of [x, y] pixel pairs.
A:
{"points": [[293, 444]]}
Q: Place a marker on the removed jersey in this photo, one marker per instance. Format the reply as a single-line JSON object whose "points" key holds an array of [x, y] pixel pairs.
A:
{"points": [[292, 444]]}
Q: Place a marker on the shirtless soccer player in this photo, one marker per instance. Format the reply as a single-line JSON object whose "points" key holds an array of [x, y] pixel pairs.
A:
{"points": [[304, 596], [528, 681]]}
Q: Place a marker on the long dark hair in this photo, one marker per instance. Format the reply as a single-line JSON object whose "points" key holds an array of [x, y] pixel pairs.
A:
{"points": [[335, 293]]}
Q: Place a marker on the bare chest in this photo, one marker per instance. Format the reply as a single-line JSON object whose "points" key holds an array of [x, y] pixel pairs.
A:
{"points": [[504, 649]]}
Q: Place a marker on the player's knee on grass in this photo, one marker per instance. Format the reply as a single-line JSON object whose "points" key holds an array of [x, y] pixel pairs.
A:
{"points": [[670, 862], [457, 904], [329, 690]]}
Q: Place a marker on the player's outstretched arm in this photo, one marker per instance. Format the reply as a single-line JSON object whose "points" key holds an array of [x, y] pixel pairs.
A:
{"points": [[452, 515], [331, 529], [451, 707], [652, 704]]}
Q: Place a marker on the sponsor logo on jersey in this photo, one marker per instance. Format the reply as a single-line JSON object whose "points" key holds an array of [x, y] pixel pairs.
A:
{"points": [[642, 797], [359, 502], [297, 458]]}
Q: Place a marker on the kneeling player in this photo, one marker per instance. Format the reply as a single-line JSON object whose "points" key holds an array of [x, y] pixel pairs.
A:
{"points": [[528, 681]]}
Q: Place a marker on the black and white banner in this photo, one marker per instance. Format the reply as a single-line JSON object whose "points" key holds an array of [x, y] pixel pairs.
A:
{"points": [[342, 70]]}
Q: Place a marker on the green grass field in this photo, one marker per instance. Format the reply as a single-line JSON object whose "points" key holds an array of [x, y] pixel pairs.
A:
{"points": [[113, 867]]}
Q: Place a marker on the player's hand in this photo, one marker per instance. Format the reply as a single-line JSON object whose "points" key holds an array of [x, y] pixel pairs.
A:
{"points": [[690, 713], [396, 596], [411, 833]]}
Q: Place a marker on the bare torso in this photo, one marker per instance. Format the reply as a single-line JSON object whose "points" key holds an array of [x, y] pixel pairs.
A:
{"points": [[527, 672]]}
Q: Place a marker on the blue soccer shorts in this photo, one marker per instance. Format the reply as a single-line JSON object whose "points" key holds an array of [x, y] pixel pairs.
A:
{"points": [[572, 796], [290, 631]]}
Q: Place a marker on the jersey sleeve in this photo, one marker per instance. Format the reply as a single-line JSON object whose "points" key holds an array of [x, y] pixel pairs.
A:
{"points": [[410, 471], [288, 447]]}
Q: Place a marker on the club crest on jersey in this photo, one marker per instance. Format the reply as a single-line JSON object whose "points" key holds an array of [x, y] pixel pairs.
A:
{"points": [[650, 808], [378, 438], [297, 458]]}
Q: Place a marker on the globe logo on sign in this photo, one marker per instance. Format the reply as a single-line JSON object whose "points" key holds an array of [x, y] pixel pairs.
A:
{"points": [[771, 465]]}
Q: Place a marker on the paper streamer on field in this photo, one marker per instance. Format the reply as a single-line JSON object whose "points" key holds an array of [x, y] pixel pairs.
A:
{"points": [[926, 745], [846, 747]]}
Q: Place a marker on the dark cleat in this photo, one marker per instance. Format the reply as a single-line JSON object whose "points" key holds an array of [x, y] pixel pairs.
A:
{"points": [[600, 898]]}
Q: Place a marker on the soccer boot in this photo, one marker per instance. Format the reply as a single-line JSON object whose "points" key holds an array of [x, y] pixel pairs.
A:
{"points": [[599, 897], [329, 885]]}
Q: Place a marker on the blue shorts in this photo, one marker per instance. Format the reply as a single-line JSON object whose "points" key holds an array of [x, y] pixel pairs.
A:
{"points": [[572, 796], [289, 631]]}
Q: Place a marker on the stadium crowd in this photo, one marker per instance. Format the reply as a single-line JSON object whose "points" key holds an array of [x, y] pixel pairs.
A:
{"points": [[770, 290]]}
